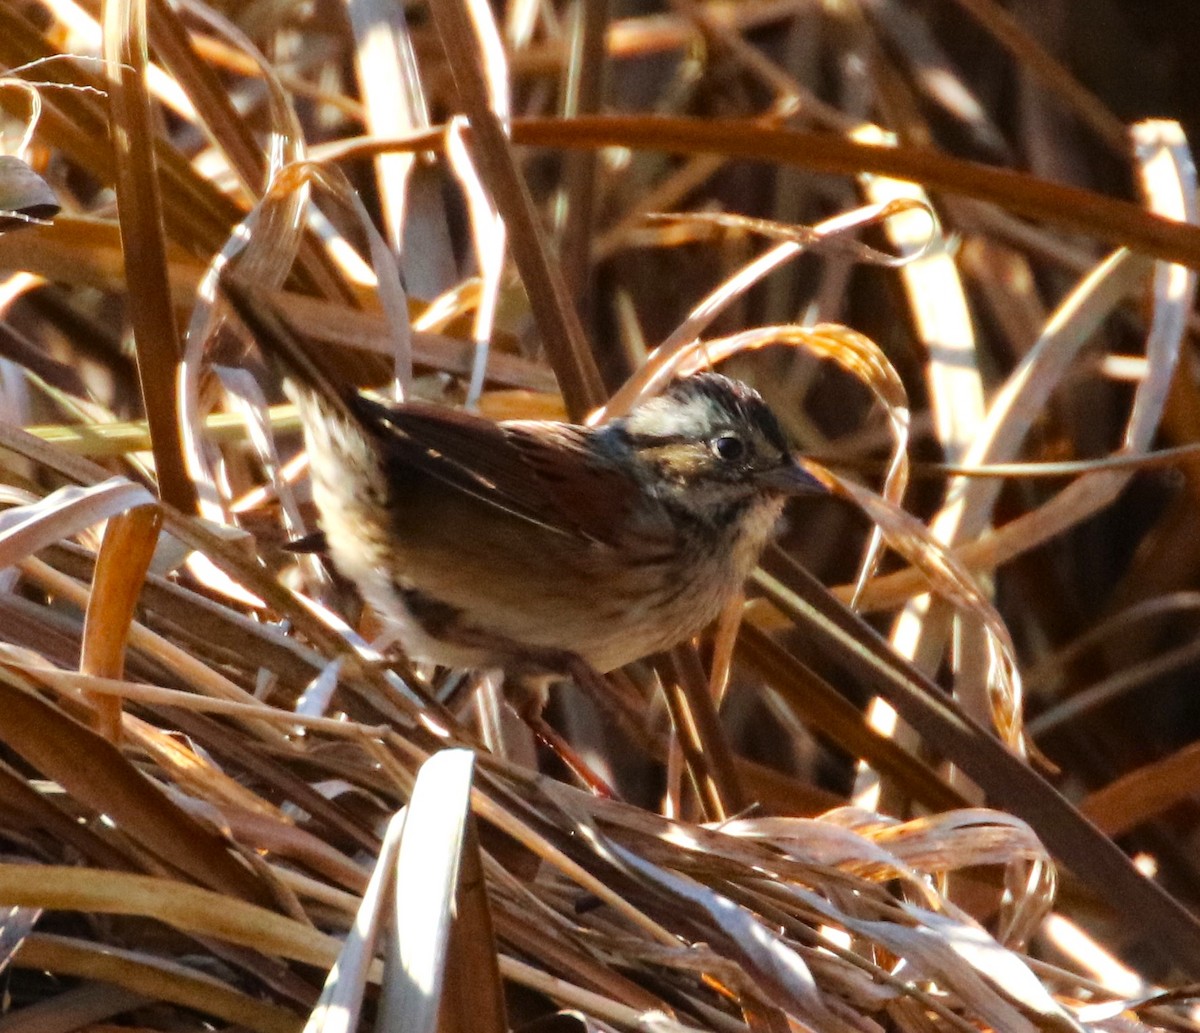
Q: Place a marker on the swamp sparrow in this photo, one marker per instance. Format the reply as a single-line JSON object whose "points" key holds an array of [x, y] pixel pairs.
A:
{"points": [[534, 546]]}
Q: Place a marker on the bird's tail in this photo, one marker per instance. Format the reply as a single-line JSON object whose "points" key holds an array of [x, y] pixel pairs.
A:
{"points": [[344, 442], [307, 380]]}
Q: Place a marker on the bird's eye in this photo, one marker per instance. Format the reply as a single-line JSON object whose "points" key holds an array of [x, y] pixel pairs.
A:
{"points": [[729, 448]]}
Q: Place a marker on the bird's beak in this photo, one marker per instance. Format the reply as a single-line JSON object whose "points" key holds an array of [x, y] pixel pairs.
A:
{"points": [[792, 479]]}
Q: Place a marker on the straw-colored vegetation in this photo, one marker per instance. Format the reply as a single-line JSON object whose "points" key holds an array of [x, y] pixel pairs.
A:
{"points": [[959, 275]]}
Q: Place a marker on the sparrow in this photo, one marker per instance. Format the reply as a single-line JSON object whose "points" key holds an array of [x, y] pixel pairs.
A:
{"points": [[538, 547]]}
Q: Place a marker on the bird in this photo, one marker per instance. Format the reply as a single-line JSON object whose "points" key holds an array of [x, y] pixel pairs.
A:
{"points": [[538, 547]]}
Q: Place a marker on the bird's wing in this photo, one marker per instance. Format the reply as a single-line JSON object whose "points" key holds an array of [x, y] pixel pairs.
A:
{"points": [[542, 472], [589, 493], [466, 453]]}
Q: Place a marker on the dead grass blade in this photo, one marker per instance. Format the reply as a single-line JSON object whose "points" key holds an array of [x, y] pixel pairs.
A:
{"points": [[140, 215], [826, 711], [474, 988], [341, 1000], [121, 564], [948, 578], [583, 93], [779, 975], [428, 870], [75, 1008], [95, 772], [213, 107], [1013, 411], [15, 926], [1067, 207], [835, 635], [465, 31], [26, 529], [1143, 794], [1034, 58], [682, 353], [87, 252], [697, 729], [151, 978], [942, 323], [1174, 294], [489, 236], [394, 100], [178, 904]]}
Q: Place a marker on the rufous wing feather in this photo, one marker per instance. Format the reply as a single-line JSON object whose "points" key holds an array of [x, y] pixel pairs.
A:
{"points": [[556, 486], [547, 476], [590, 495]]}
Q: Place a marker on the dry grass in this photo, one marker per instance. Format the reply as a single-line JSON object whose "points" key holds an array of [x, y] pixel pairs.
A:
{"points": [[223, 805]]}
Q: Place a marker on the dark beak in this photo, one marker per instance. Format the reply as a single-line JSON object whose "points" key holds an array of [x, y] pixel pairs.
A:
{"points": [[792, 479]]}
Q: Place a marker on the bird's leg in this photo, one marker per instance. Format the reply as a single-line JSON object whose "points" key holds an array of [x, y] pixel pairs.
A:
{"points": [[575, 668], [530, 673], [520, 660], [528, 692], [527, 695], [530, 662]]}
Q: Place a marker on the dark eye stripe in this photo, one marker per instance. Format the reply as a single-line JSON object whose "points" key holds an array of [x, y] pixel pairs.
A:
{"points": [[769, 426], [657, 440]]}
